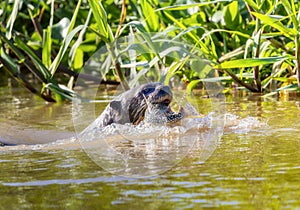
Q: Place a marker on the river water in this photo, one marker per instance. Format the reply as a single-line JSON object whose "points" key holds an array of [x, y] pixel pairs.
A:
{"points": [[256, 168]]}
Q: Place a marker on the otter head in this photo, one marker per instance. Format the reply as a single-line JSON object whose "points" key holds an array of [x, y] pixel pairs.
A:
{"points": [[150, 97]]}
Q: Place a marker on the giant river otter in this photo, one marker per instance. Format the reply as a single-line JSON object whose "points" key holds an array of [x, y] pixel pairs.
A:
{"points": [[148, 103]]}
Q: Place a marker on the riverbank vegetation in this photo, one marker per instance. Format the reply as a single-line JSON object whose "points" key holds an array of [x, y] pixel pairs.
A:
{"points": [[251, 44]]}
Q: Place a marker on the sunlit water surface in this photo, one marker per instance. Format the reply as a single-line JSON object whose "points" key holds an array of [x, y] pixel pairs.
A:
{"points": [[255, 168]]}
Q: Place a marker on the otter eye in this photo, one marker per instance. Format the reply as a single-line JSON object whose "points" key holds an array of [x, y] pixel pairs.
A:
{"points": [[148, 90]]}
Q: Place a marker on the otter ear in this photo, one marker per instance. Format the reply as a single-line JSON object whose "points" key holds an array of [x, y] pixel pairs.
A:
{"points": [[116, 106]]}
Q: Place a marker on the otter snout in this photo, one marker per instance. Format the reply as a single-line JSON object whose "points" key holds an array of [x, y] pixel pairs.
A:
{"points": [[162, 94]]}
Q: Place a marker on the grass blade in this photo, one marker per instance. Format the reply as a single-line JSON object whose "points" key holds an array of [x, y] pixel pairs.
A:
{"points": [[288, 87], [171, 71], [46, 52], [36, 60], [74, 17], [47, 40], [253, 5], [9, 62], [64, 48], [79, 40], [151, 17], [144, 34], [67, 40], [187, 6], [290, 9], [12, 68], [190, 34], [101, 19], [22, 58], [12, 18], [288, 32], [249, 62]]}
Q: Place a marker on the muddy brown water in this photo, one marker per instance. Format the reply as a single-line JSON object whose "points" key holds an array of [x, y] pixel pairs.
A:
{"points": [[253, 169]]}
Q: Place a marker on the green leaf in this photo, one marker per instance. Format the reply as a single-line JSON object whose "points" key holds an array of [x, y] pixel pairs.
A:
{"points": [[290, 9], [60, 29], [281, 79], [187, 6], [201, 67], [273, 76], [175, 66], [288, 32], [101, 19], [13, 47], [74, 17], [140, 48], [10, 62], [256, 44], [78, 42], [145, 35], [4, 11], [78, 60], [189, 33], [64, 48], [288, 87], [36, 60], [67, 40], [99, 34], [181, 25], [270, 94], [12, 18], [60, 91], [12, 68], [192, 85], [213, 48], [151, 17], [47, 41], [253, 5], [187, 30], [46, 52], [229, 32], [224, 78], [232, 16], [249, 62]]}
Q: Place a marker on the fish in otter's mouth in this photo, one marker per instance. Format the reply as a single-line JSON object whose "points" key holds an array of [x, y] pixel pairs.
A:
{"points": [[160, 112], [149, 102]]}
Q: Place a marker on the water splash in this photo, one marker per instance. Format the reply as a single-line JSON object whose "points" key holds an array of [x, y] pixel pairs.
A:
{"points": [[240, 125], [147, 149]]}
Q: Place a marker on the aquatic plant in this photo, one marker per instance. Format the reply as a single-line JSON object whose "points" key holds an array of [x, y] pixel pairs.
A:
{"points": [[254, 44]]}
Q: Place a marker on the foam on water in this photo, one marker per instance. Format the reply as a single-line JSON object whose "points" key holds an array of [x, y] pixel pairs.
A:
{"points": [[240, 125], [147, 149]]}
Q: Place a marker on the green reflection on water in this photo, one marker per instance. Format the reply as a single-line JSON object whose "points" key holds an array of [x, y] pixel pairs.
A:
{"points": [[256, 170]]}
